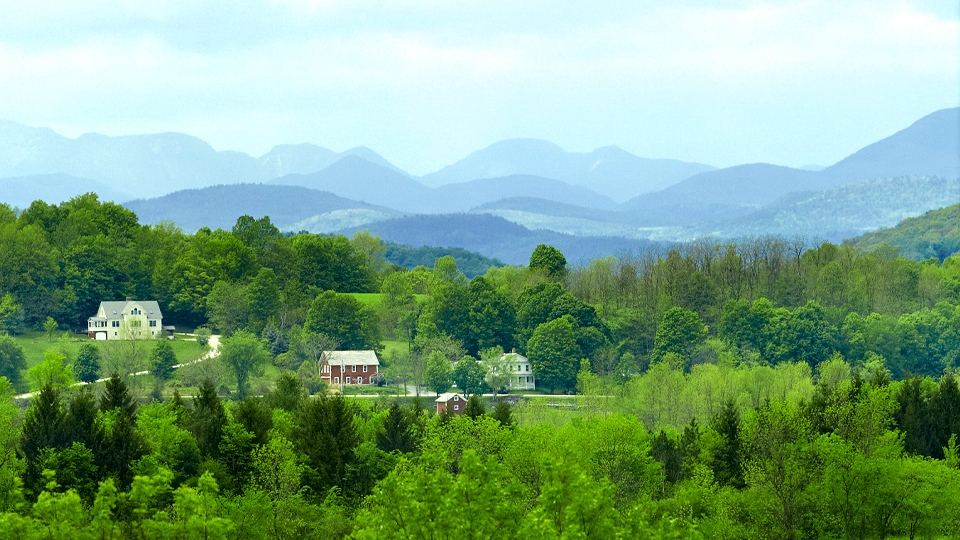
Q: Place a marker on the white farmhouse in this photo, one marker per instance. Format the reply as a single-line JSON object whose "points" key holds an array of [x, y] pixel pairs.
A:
{"points": [[129, 319], [520, 371]]}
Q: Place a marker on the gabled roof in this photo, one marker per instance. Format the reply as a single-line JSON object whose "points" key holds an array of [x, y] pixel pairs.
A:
{"points": [[115, 310], [351, 358], [443, 398], [514, 357]]}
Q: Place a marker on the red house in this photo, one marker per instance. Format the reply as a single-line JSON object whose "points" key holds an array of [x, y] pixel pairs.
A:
{"points": [[349, 367], [451, 401]]}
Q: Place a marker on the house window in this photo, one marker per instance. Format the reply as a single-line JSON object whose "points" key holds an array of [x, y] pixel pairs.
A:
{"points": [[456, 407], [364, 368], [353, 369], [336, 380], [528, 367], [153, 324], [359, 380], [348, 380], [116, 324]]}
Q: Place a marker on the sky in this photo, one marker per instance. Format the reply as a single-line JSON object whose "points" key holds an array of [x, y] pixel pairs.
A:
{"points": [[426, 82]]}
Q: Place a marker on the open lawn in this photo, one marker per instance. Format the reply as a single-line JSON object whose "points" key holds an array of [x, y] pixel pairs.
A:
{"points": [[34, 344], [375, 299]]}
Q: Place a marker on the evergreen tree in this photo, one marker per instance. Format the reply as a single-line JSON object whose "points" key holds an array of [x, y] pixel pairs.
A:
{"points": [[207, 420], [475, 407], [162, 360], [116, 395], [43, 428], [324, 433], [503, 413], [255, 417], [667, 451], [288, 394], [397, 434], [728, 455], [81, 418], [86, 367]]}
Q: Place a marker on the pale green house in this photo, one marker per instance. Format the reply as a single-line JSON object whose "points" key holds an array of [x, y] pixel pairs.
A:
{"points": [[129, 319]]}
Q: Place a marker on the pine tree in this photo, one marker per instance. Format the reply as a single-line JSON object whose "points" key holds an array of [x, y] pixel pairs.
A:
{"points": [[475, 407], [117, 395], [80, 422], [727, 459], [325, 434], [42, 430], [667, 451], [503, 413], [397, 435], [207, 420]]}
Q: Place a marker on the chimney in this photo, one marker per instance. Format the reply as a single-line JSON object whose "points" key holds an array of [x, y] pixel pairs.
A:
{"points": [[129, 299], [514, 351]]}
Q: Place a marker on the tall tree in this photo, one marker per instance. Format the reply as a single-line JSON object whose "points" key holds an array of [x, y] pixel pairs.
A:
{"points": [[438, 374], [324, 433], [12, 359], [263, 298], [207, 420], [680, 330], [397, 434], [344, 319], [548, 260], [162, 360], [554, 354], [86, 367], [246, 355]]}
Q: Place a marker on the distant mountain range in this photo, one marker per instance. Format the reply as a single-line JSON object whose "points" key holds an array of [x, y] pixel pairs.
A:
{"points": [[533, 184], [496, 237], [152, 165], [359, 179], [610, 171], [288, 207]]}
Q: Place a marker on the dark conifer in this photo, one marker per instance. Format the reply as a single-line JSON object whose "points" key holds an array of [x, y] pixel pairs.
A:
{"points": [[475, 407], [503, 413], [207, 420], [727, 460], [396, 435]]}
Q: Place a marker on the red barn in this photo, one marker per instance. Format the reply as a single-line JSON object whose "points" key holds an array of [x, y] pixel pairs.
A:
{"points": [[452, 401], [349, 367]]}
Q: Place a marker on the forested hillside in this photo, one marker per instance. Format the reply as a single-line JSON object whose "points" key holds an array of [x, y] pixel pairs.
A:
{"points": [[765, 389], [935, 234]]}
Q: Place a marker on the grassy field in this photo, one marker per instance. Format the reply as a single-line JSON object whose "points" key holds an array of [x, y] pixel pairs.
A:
{"points": [[375, 299], [34, 344]]}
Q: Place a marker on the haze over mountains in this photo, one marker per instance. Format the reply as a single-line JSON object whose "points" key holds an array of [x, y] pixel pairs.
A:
{"points": [[531, 183]]}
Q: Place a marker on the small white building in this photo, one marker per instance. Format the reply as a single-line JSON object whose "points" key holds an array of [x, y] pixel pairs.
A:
{"points": [[519, 370], [129, 319], [356, 367]]}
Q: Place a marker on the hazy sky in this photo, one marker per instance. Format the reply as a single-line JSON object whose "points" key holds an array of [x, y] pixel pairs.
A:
{"points": [[424, 82]]}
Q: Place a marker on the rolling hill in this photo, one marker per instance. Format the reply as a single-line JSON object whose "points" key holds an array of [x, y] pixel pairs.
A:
{"points": [[356, 178], [928, 147], [935, 234], [610, 171], [843, 212], [289, 207], [495, 237]]}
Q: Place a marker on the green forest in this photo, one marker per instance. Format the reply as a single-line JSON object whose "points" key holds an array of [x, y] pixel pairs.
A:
{"points": [[762, 389]]}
